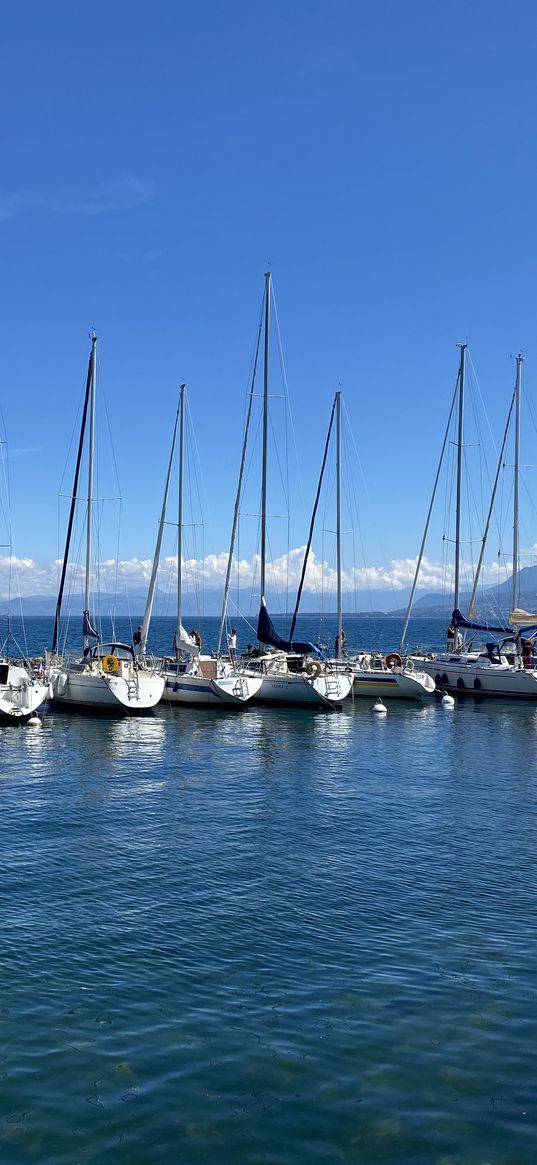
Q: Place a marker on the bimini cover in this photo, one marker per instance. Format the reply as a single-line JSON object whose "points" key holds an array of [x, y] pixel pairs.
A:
{"points": [[458, 620], [266, 633]]}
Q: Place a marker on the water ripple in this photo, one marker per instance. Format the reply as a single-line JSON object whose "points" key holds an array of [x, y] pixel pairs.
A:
{"points": [[271, 936]]}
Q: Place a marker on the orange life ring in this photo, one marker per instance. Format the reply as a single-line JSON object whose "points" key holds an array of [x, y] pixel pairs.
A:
{"points": [[393, 660]]}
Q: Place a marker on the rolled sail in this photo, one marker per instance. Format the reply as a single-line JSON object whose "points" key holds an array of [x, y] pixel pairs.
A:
{"points": [[266, 633]]}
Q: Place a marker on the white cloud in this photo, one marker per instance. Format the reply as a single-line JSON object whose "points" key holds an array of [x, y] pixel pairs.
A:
{"points": [[122, 193], [32, 578]]}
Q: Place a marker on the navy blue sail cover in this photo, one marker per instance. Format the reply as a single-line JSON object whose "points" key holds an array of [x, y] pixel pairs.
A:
{"points": [[266, 633], [458, 620], [87, 628]]}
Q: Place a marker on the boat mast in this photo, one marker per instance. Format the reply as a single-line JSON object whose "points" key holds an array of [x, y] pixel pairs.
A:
{"points": [[312, 523], [514, 592], [238, 498], [89, 510], [338, 523], [463, 348], [180, 518], [72, 508], [402, 643], [265, 438], [471, 605], [156, 556]]}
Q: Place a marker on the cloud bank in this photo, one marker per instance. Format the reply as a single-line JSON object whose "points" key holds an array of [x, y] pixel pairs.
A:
{"points": [[29, 577]]}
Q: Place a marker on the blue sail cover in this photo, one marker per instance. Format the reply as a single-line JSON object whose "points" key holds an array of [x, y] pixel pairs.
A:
{"points": [[266, 633], [458, 620], [87, 628]]}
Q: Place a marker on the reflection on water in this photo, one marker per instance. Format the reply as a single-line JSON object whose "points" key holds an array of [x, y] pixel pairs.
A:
{"points": [[281, 935]]}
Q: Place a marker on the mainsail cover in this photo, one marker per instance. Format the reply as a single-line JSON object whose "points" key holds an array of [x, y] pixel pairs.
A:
{"points": [[266, 633], [458, 620]]}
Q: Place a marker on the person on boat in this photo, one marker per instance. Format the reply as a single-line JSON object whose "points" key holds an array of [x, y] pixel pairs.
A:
{"points": [[454, 638], [196, 637], [492, 653], [232, 644], [137, 637], [527, 653], [339, 648]]}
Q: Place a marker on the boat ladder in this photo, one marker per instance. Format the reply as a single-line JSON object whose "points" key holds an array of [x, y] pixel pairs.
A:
{"points": [[133, 690], [240, 688], [333, 690]]}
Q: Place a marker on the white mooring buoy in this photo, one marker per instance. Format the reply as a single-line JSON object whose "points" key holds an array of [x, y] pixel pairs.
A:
{"points": [[34, 722], [379, 708], [447, 701]]}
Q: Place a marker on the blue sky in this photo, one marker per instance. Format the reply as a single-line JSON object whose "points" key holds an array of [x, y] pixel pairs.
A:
{"points": [[381, 158]]}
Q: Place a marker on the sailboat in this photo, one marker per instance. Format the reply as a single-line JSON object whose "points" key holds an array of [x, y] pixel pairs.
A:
{"points": [[504, 669], [373, 674], [189, 676], [108, 676], [22, 691], [293, 673], [23, 684]]}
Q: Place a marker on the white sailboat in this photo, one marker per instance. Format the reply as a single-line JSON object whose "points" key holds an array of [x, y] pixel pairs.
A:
{"points": [[22, 691], [189, 676], [23, 684], [107, 676], [503, 669], [373, 674], [294, 673]]}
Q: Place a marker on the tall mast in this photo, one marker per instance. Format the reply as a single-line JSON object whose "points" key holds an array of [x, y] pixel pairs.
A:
{"points": [[477, 576], [89, 510], [514, 592], [238, 497], [338, 523], [463, 348], [180, 516], [156, 556], [312, 523], [265, 437], [402, 642], [72, 508]]}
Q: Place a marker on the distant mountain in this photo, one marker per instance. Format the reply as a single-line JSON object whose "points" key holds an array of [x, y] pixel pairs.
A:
{"points": [[363, 602], [492, 600]]}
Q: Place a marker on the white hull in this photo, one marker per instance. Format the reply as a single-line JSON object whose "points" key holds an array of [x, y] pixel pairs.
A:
{"points": [[326, 691], [20, 695], [473, 675], [393, 685], [230, 691], [91, 688]]}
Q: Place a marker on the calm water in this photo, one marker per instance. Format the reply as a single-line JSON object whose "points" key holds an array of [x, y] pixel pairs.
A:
{"points": [[271, 936]]}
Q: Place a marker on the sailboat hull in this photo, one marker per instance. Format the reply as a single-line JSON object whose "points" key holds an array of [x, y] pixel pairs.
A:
{"points": [[328, 691], [229, 691], [94, 690], [393, 685], [20, 695], [477, 678]]}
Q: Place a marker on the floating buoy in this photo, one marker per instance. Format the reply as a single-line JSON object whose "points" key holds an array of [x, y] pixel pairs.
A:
{"points": [[380, 708], [447, 701], [34, 722]]}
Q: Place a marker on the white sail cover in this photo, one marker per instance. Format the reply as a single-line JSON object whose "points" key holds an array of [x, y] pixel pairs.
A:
{"points": [[519, 618], [185, 642]]}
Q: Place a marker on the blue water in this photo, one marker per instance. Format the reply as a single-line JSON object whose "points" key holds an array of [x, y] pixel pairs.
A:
{"points": [[34, 635], [270, 936]]}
